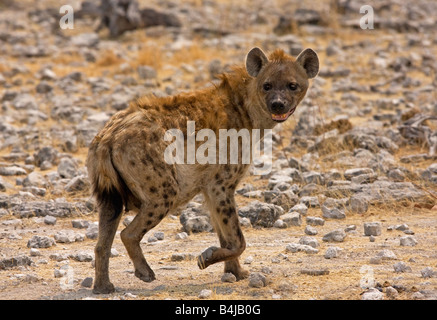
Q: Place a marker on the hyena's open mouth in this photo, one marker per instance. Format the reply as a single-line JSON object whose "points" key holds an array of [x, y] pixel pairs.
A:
{"points": [[284, 116]]}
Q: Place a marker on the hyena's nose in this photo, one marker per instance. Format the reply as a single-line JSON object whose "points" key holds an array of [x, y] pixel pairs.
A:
{"points": [[278, 107]]}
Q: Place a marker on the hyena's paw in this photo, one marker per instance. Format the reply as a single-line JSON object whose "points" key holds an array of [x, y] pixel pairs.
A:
{"points": [[103, 288], [241, 274], [234, 267], [205, 259], [145, 275]]}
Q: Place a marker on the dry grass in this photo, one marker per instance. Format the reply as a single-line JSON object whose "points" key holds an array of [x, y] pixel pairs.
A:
{"points": [[107, 59]]}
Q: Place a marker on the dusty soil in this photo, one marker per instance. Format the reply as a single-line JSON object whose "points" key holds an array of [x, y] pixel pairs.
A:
{"points": [[348, 274], [183, 280]]}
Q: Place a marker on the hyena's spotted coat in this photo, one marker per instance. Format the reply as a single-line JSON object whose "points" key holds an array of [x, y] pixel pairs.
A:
{"points": [[126, 159]]}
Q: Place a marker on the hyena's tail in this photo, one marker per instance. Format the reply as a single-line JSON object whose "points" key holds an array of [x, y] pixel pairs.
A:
{"points": [[108, 186]]}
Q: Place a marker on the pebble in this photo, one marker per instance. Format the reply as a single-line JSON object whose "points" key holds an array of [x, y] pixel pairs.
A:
{"points": [[266, 270], [80, 224], [280, 224], [114, 253], [296, 247], [92, 232], [417, 296], [311, 231], [178, 256], [181, 236], [332, 252], [372, 228], [315, 221], [248, 260], [152, 239], [159, 235], [228, 277], [301, 208], [428, 272], [386, 254], [309, 241], [315, 272], [367, 169], [17, 261], [292, 219], [127, 220], [68, 236], [391, 293], [335, 236], [372, 294], [333, 213], [40, 242], [408, 241], [401, 267], [350, 228], [87, 282], [205, 294], [35, 252], [82, 256], [257, 280], [50, 220]]}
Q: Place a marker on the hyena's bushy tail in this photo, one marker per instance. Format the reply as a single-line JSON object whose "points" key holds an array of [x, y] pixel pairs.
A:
{"points": [[108, 186]]}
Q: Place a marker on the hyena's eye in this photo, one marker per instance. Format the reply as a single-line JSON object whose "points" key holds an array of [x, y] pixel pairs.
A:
{"points": [[267, 86], [293, 86]]}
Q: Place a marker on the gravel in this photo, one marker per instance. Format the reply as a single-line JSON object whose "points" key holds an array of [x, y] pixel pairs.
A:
{"points": [[330, 175]]}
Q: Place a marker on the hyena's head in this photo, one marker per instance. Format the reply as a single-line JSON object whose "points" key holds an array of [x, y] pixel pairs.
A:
{"points": [[281, 81]]}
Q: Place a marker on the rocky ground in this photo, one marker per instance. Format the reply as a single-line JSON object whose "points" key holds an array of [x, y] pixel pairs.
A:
{"points": [[348, 211]]}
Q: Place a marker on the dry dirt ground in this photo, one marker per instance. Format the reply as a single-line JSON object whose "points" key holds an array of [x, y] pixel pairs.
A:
{"points": [[183, 280], [348, 275]]}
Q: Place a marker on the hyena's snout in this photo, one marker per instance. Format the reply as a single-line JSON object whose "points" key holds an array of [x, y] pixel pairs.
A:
{"points": [[280, 108]]}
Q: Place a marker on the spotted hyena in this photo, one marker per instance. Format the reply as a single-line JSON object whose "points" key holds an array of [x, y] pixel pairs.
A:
{"points": [[126, 159]]}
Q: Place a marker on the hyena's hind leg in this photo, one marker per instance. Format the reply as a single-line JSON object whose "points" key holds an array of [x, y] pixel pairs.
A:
{"points": [[149, 215], [110, 209], [225, 220]]}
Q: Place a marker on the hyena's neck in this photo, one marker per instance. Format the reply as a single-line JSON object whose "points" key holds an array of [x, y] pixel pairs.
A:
{"points": [[244, 107]]}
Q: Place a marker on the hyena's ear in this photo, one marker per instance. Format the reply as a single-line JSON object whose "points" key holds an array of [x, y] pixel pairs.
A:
{"points": [[309, 60], [255, 60]]}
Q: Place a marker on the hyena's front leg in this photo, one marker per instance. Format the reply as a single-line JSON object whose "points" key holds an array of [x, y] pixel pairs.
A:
{"points": [[224, 217]]}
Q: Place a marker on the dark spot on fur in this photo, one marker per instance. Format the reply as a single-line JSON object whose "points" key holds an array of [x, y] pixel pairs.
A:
{"points": [[161, 216], [225, 220], [169, 106], [239, 233], [230, 211], [222, 203], [153, 189], [149, 222], [165, 196], [150, 214], [154, 137]]}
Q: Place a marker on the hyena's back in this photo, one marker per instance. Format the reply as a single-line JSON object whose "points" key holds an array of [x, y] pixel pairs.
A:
{"points": [[126, 159]]}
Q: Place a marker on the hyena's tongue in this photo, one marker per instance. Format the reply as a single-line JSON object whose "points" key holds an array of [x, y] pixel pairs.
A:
{"points": [[284, 116]]}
